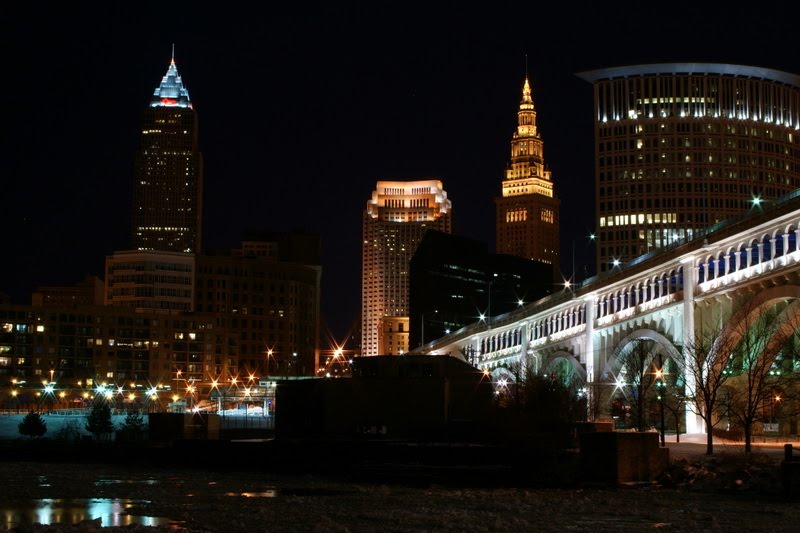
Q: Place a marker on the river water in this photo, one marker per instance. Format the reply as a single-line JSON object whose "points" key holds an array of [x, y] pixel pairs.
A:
{"points": [[110, 512]]}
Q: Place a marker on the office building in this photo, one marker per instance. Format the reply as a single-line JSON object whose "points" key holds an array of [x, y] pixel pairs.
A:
{"points": [[682, 146], [149, 281], [80, 347], [268, 294], [168, 172], [394, 222], [528, 210], [90, 291]]}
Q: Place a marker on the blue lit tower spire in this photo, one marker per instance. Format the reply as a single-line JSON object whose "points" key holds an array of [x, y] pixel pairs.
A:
{"points": [[168, 172], [171, 92]]}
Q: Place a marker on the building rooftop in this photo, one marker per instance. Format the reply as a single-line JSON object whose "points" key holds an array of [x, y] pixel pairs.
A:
{"points": [[742, 71], [171, 92]]}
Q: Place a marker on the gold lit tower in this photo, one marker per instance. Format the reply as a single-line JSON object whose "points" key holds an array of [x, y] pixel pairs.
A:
{"points": [[396, 219], [527, 212]]}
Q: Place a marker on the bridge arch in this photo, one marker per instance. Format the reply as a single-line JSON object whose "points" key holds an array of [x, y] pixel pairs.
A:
{"points": [[614, 364], [559, 360], [788, 320]]}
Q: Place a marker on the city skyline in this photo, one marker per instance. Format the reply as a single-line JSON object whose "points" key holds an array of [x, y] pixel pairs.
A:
{"points": [[298, 111]]}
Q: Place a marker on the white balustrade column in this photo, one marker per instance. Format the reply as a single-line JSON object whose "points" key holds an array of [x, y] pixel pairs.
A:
{"points": [[797, 239], [785, 258]]}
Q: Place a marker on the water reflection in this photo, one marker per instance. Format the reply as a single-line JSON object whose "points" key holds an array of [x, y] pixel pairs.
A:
{"points": [[110, 512], [269, 493], [104, 482]]}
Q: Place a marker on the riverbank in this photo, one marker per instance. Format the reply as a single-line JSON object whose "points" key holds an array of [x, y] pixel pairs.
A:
{"points": [[233, 486], [229, 501]]}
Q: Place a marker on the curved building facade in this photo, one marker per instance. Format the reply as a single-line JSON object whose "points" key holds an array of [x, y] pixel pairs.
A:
{"points": [[681, 146]]}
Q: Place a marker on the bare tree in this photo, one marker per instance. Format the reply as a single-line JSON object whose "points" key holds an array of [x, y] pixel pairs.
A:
{"points": [[598, 395], [764, 341], [706, 358], [638, 375]]}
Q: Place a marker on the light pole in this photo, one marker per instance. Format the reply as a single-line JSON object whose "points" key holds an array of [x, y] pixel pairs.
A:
{"points": [[422, 324], [489, 301], [48, 396], [660, 386]]}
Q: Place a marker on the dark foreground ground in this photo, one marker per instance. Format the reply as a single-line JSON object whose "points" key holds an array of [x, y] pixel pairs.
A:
{"points": [[725, 493]]}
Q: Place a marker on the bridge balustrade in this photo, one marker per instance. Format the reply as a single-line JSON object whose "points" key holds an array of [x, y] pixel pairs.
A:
{"points": [[762, 251]]}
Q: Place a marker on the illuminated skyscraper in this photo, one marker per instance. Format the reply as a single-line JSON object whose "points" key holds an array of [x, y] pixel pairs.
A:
{"points": [[528, 210], [168, 172], [395, 220], [682, 146]]}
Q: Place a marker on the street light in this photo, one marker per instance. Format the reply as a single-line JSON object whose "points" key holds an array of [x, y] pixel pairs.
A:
{"points": [[489, 301], [48, 396], [660, 385], [269, 356], [776, 400]]}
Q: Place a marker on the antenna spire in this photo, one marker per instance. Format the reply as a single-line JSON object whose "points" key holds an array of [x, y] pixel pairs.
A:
{"points": [[173, 56]]}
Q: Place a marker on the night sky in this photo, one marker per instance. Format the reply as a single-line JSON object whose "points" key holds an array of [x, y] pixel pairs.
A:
{"points": [[301, 112]]}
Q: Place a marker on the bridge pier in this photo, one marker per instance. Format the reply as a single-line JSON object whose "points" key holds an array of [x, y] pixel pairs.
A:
{"points": [[689, 273]]}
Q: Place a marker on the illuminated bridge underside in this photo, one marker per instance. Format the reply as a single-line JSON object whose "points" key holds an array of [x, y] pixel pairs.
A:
{"points": [[657, 297]]}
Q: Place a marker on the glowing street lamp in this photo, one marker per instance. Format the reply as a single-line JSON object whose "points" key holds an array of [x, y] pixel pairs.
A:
{"points": [[269, 357], [48, 395], [660, 385]]}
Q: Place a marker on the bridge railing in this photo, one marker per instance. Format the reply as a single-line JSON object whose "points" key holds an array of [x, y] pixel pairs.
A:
{"points": [[678, 248]]}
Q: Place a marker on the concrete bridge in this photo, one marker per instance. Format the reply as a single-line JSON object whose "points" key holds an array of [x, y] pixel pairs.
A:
{"points": [[662, 297]]}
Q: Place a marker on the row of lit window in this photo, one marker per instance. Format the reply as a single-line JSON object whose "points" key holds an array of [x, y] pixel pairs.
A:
{"points": [[638, 218]]}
